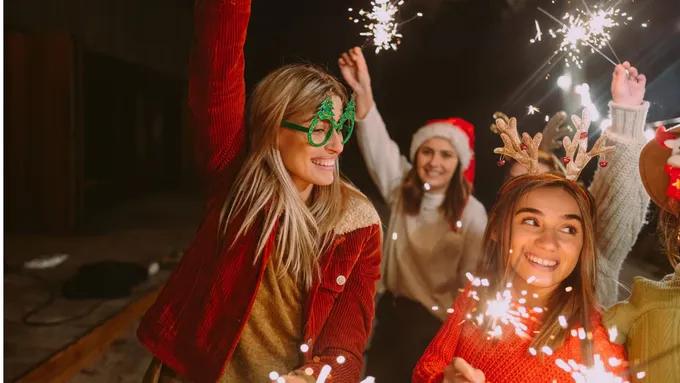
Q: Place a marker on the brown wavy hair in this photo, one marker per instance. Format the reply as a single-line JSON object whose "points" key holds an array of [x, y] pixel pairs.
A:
{"points": [[576, 305], [457, 193]]}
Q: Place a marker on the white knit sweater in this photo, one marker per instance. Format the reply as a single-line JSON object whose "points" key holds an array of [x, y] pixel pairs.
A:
{"points": [[423, 259], [621, 198]]}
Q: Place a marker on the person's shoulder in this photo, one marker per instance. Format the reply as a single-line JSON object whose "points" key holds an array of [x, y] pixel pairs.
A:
{"points": [[474, 209], [359, 213]]}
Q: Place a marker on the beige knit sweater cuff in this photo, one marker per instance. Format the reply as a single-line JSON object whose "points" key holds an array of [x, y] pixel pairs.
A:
{"points": [[627, 119]]}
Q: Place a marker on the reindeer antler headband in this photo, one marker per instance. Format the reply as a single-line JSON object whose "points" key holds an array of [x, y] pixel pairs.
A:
{"points": [[525, 150]]}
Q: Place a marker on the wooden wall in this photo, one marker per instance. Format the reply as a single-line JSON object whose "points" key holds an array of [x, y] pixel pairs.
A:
{"points": [[41, 133]]}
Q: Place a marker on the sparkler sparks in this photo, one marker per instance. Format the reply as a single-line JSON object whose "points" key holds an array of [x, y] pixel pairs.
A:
{"points": [[583, 29], [596, 373], [532, 110], [383, 29]]}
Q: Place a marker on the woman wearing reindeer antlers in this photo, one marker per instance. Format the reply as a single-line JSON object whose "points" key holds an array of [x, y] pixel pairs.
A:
{"points": [[649, 322], [279, 283], [531, 313], [621, 198], [435, 229]]}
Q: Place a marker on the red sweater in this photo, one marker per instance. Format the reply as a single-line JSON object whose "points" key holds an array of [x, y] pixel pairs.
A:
{"points": [[198, 318], [507, 360]]}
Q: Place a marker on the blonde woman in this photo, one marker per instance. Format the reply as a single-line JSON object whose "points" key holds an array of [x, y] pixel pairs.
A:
{"points": [[280, 280]]}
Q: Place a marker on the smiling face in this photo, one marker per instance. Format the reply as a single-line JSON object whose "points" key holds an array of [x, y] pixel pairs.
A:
{"points": [[306, 164], [436, 161], [547, 238]]}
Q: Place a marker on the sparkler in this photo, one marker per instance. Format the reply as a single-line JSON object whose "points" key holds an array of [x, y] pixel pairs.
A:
{"points": [[597, 373], [383, 29], [584, 29]]}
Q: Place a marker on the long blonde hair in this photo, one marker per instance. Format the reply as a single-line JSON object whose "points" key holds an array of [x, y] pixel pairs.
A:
{"points": [[575, 305], [263, 189]]}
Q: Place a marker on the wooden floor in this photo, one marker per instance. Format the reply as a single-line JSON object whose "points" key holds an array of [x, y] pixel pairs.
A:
{"points": [[141, 232]]}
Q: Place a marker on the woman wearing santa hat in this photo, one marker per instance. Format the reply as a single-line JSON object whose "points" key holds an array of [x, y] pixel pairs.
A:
{"points": [[435, 228]]}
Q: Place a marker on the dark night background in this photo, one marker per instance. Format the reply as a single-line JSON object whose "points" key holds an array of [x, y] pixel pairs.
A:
{"points": [[466, 58], [98, 155]]}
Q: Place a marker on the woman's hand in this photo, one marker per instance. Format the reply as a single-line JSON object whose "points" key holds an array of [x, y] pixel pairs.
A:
{"points": [[355, 71], [459, 371], [628, 88]]}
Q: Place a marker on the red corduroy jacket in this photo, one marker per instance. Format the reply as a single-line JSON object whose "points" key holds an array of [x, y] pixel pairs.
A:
{"points": [[198, 318]]}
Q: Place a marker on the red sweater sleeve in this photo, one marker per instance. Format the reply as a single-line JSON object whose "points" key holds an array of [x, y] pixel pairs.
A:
{"points": [[217, 84], [442, 349]]}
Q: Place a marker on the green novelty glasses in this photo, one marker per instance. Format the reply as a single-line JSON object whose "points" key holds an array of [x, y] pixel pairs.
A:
{"points": [[323, 124]]}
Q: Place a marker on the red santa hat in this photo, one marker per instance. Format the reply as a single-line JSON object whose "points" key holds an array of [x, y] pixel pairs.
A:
{"points": [[460, 133]]}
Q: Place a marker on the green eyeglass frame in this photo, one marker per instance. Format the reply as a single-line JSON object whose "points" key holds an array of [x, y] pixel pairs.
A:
{"points": [[344, 127]]}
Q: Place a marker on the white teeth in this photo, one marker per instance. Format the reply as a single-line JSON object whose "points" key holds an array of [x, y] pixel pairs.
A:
{"points": [[326, 163], [541, 261]]}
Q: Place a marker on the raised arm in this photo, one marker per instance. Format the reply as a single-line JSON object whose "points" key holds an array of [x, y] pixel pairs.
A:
{"points": [[619, 194], [216, 84], [383, 160]]}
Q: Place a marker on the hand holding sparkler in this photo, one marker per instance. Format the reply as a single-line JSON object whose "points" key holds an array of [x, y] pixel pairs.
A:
{"points": [[628, 86], [355, 71], [459, 371]]}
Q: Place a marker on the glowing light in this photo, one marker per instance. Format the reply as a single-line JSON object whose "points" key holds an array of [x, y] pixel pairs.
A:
{"points": [[613, 333], [303, 348], [583, 374], [584, 91], [584, 29], [459, 224], [341, 359], [323, 375], [532, 110], [563, 321], [382, 27], [394, 236], [531, 279], [568, 289], [426, 186], [564, 81]]}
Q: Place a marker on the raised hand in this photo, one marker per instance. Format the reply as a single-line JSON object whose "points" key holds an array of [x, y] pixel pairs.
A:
{"points": [[628, 88], [355, 71]]}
